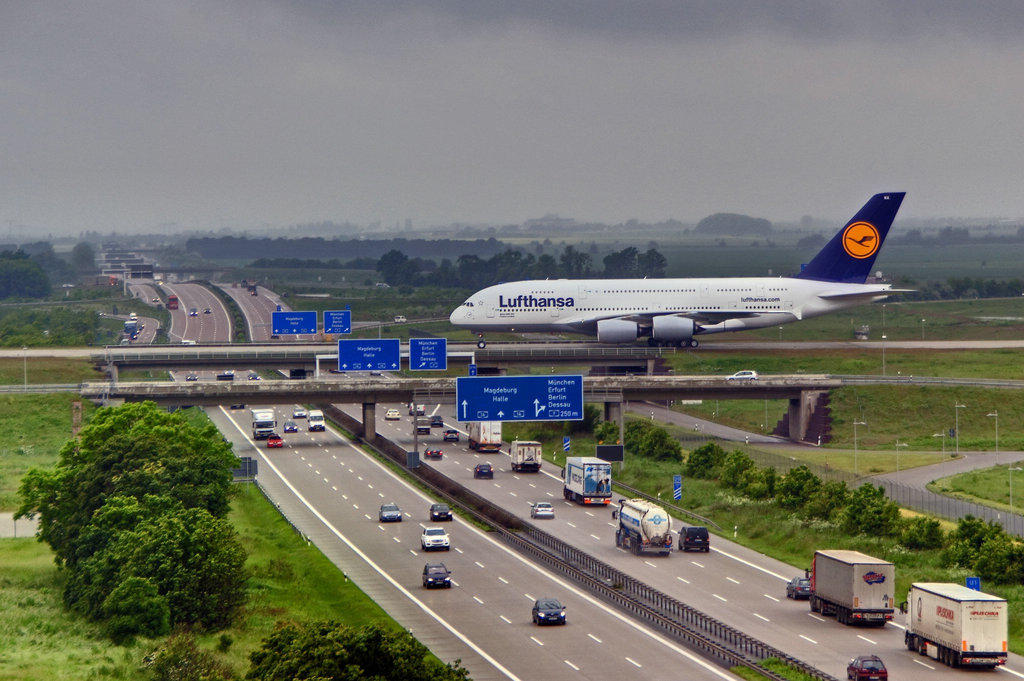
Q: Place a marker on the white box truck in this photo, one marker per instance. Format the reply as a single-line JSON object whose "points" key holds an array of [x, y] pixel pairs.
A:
{"points": [[525, 455], [484, 436], [855, 587], [643, 527], [263, 423], [587, 480], [315, 420], [955, 625]]}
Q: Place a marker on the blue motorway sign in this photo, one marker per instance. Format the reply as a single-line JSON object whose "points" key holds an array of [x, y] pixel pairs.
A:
{"points": [[369, 355], [286, 323], [428, 354], [519, 398], [338, 321]]}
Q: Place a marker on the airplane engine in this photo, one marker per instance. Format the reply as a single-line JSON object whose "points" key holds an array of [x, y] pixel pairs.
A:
{"points": [[616, 331], [668, 329]]}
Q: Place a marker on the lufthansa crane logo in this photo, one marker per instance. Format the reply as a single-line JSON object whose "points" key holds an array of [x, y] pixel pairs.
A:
{"points": [[860, 240]]}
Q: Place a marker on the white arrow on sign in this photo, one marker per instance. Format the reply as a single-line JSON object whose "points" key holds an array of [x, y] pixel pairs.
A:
{"points": [[538, 407]]}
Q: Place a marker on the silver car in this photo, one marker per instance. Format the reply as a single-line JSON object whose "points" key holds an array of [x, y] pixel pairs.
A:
{"points": [[542, 509]]}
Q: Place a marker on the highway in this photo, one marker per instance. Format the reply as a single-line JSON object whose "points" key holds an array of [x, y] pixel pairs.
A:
{"points": [[332, 491], [738, 586]]}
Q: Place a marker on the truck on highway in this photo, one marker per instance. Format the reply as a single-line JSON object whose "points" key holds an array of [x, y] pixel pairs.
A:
{"points": [[315, 421], [263, 423], [485, 436], [172, 302], [423, 425], [643, 527], [956, 625], [131, 328], [853, 586], [587, 480], [526, 456]]}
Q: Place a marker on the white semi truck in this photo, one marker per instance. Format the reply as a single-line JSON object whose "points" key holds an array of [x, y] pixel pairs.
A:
{"points": [[526, 456], [955, 625], [587, 480], [855, 587], [263, 423], [315, 420], [643, 527], [484, 436]]}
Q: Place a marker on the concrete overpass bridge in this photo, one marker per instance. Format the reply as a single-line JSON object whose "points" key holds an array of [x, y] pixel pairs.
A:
{"points": [[611, 391]]}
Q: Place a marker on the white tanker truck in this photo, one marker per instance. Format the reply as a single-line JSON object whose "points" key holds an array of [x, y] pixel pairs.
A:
{"points": [[643, 527]]}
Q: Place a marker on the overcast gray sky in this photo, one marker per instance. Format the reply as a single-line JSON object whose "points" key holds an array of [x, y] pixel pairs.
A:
{"points": [[130, 116]]}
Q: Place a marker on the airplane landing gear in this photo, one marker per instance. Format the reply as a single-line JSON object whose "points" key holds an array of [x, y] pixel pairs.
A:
{"points": [[480, 342]]}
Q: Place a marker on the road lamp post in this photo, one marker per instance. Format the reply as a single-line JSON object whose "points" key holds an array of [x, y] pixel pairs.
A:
{"points": [[883, 352], [995, 415], [943, 436], [922, 329], [24, 367], [956, 424], [855, 424], [898, 445]]}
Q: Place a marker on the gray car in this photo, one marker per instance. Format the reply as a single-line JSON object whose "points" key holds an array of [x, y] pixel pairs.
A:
{"points": [[390, 513]]}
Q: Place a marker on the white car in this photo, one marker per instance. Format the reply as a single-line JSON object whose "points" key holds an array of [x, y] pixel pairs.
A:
{"points": [[743, 376], [542, 509], [392, 415], [299, 413], [434, 538]]}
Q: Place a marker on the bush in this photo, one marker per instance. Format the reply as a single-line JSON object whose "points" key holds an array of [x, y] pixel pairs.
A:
{"points": [[922, 533], [705, 462], [135, 608]]}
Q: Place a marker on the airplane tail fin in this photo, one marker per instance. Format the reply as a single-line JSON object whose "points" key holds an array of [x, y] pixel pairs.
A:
{"points": [[850, 255]]}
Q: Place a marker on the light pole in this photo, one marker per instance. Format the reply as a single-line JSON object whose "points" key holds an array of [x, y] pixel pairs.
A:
{"points": [[898, 445], [883, 347], [995, 415], [943, 436], [855, 424], [24, 366], [922, 329], [956, 424]]}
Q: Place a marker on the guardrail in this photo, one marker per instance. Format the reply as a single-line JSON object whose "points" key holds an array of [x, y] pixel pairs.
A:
{"points": [[712, 638]]}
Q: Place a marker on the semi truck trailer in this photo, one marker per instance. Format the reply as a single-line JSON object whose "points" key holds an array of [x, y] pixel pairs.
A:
{"points": [[955, 625], [643, 527], [587, 480], [484, 436], [855, 587], [526, 456]]}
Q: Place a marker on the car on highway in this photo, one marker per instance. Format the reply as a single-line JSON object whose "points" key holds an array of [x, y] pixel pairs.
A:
{"points": [[193, 312], [866, 668], [228, 375], [436, 421], [440, 512], [435, 539], [253, 376], [437, 575], [483, 470], [299, 413], [392, 415], [238, 405], [207, 311], [192, 376], [154, 300], [274, 441], [433, 454], [451, 435], [548, 611], [694, 538], [743, 376], [799, 587], [290, 427], [389, 513], [542, 509]]}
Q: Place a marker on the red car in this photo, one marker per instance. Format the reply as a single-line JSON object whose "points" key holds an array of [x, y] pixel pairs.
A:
{"points": [[433, 454], [866, 668], [274, 440]]}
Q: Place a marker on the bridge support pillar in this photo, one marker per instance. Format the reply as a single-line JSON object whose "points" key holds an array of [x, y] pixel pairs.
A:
{"points": [[369, 433], [800, 411], [613, 412]]}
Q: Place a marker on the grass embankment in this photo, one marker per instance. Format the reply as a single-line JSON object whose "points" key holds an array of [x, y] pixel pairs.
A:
{"points": [[40, 641], [1000, 487]]}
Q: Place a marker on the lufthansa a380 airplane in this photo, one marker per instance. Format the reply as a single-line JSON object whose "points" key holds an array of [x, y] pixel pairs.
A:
{"points": [[674, 311]]}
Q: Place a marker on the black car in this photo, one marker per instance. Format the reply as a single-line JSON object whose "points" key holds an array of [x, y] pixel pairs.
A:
{"points": [[483, 470], [440, 512], [798, 587], [192, 376], [437, 574], [694, 538], [389, 513], [548, 611], [436, 421], [451, 435], [207, 311], [433, 454]]}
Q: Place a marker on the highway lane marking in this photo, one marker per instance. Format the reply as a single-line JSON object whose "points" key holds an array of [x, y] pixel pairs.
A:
{"points": [[599, 539], [808, 639], [478, 600], [646, 561], [529, 597], [928, 666], [771, 597], [536, 640], [721, 598], [513, 494], [503, 580], [569, 524], [595, 638], [533, 485], [696, 563], [684, 581], [344, 496], [813, 616], [749, 564], [334, 487], [732, 580], [397, 540], [589, 513], [479, 564], [574, 667], [863, 638], [507, 620], [635, 663], [762, 617]]}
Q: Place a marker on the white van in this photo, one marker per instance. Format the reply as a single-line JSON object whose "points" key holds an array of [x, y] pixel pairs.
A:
{"points": [[315, 420], [400, 319]]}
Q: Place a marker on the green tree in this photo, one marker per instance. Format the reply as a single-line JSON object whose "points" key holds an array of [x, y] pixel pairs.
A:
{"points": [[607, 433], [657, 444], [922, 533], [705, 462], [135, 608], [828, 500], [796, 488], [329, 650], [181, 659], [735, 469], [83, 257], [870, 513], [966, 540]]}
